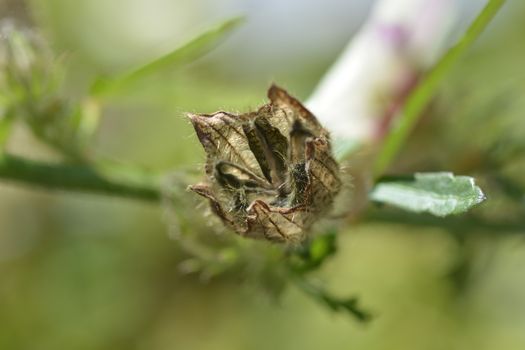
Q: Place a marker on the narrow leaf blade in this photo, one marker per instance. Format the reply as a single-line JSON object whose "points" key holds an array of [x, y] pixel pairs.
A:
{"points": [[440, 194], [181, 55]]}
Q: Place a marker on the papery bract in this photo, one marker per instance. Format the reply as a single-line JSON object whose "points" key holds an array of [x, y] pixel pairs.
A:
{"points": [[269, 174]]}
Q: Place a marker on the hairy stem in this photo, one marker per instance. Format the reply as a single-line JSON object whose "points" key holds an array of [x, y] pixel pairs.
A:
{"points": [[77, 177], [134, 185]]}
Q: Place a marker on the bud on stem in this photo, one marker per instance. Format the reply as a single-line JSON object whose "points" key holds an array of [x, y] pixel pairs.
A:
{"points": [[269, 174]]}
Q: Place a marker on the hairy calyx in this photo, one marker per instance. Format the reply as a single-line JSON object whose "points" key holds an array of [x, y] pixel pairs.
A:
{"points": [[269, 174]]}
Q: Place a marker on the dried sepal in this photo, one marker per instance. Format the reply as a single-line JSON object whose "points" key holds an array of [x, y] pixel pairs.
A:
{"points": [[270, 174]]}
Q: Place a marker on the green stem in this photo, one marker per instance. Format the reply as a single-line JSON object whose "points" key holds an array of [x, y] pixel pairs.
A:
{"points": [[79, 178], [460, 223], [350, 305], [130, 184], [419, 98]]}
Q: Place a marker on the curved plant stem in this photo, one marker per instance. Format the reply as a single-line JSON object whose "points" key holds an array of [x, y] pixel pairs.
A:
{"points": [[79, 177], [416, 102], [349, 305]]}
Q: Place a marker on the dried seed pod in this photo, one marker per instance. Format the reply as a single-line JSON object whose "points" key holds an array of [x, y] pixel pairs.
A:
{"points": [[270, 173]]}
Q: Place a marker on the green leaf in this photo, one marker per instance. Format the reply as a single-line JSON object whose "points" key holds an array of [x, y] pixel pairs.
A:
{"points": [[440, 194], [419, 98], [181, 55]]}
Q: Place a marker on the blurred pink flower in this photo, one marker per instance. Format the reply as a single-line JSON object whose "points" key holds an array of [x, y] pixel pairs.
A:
{"points": [[360, 94]]}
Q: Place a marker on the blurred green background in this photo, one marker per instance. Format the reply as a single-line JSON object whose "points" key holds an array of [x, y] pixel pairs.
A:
{"points": [[84, 271]]}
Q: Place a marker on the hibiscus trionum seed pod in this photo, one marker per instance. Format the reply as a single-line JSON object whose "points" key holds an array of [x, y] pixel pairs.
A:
{"points": [[270, 174]]}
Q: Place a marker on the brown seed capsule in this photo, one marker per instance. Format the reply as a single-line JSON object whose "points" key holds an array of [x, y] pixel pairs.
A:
{"points": [[270, 173]]}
